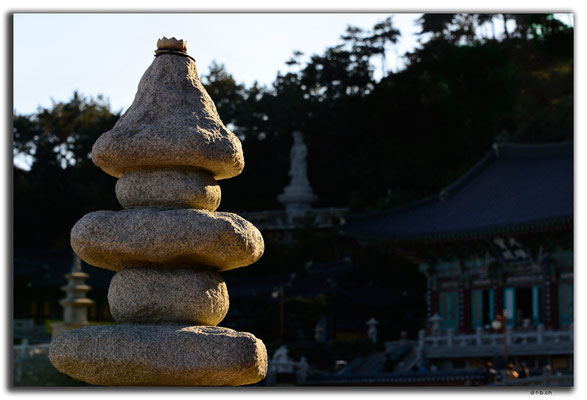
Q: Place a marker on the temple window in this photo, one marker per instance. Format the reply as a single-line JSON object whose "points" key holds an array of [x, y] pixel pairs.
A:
{"points": [[449, 310]]}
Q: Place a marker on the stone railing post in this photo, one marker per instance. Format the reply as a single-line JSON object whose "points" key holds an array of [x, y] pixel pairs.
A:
{"points": [[302, 372], [421, 338], [557, 336], [478, 336], [524, 338], [168, 245], [24, 349], [571, 331], [540, 333], [271, 378], [449, 337]]}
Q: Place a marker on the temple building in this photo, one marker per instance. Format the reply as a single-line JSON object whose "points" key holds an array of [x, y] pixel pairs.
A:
{"points": [[494, 251], [496, 247]]}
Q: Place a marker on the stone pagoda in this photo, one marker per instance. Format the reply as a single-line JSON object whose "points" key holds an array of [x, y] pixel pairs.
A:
{"points": [[75, 304], [167, 245]]}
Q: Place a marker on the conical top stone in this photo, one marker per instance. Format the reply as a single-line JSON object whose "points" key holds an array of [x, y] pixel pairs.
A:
{"points": [[172, 122]]}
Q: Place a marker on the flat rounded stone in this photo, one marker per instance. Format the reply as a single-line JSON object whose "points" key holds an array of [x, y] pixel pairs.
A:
{"points": [[185, 188], [154, 295], [176, 238], [171, 122], [160, 355]]}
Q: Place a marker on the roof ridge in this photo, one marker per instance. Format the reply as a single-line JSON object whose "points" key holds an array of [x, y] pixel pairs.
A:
{"points": [[507, 156], [450, 189], [489, 157], [387, 211], [510, 150]]}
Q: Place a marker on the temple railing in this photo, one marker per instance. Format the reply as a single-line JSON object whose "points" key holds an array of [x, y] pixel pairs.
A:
{"points": [[25, 350], [281, 219], [299, 368], [25, 354], [541, 381], [483, 343]]}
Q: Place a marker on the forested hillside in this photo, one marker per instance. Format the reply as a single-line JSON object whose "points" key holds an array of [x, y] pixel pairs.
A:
{"points": [[373, 143]]}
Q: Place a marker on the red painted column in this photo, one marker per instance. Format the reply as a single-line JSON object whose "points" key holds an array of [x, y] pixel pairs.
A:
{"points": [[499, 302], [551, 304]]}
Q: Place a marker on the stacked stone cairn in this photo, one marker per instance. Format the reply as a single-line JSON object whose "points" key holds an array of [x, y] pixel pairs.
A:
{"points": [[167, 245]]}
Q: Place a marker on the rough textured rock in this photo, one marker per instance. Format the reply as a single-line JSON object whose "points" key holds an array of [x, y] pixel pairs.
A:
{"points": [[149, 295], [168, 245], [171, 122], [169, 238], [184, 188], [162, 355]]}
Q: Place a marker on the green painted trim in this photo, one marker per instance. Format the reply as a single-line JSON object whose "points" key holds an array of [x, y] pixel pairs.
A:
{"points": [[510, 307], [537, 293], [565, 311]]}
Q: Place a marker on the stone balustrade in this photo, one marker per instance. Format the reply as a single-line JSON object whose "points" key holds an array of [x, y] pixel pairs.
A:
{"points": [[282, 220], [25, 350], [300, 368], [486, 343], [543, 381]]}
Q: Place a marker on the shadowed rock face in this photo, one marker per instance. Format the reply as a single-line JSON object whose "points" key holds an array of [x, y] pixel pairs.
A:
{"points": [[161, 355], [172, 122], [168, 245]]}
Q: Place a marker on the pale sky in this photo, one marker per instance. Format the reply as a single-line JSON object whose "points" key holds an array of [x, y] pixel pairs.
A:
{"points": [[55, 54]]}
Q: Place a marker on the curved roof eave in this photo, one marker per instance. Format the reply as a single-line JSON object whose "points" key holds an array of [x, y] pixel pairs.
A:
{"points": [[513, 188]]}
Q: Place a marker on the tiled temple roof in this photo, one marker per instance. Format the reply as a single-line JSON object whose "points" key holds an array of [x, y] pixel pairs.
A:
{"points": [[513, 188]]}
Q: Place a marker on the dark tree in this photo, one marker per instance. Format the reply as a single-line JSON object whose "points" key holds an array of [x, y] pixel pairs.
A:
{"points": [[372, 144], [63, 184]]}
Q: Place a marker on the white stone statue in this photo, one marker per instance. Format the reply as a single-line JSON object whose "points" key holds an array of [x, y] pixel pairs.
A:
{"points": [[298, 194], [372, 331], [302, 372], [297, 169], [281, 360]]}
